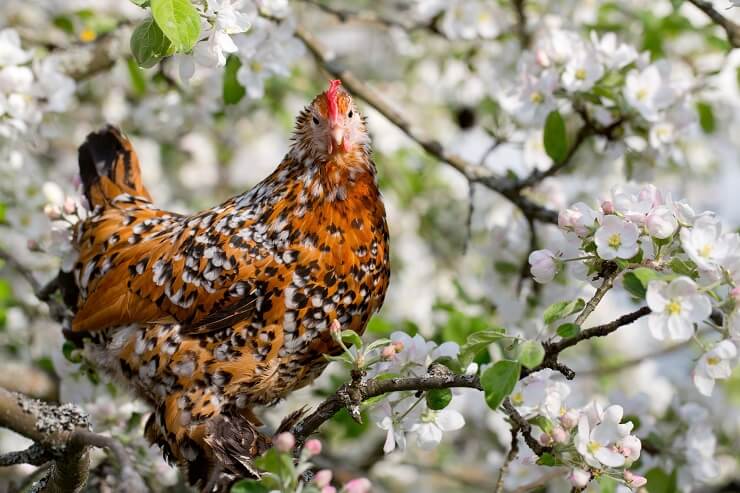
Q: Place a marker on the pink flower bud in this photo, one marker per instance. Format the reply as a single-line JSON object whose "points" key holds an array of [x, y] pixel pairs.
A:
{"points": [[569, 420], [328, 489], [359, 485], [559, 435], [52, 212], [33, 245], [388, 352], [633, 480], [398, 345], [735, 293], [70, 206], [545, 439], [323, 478], [579, 478], [607, 206], [313, 446], [335, 328], [284, 442]]}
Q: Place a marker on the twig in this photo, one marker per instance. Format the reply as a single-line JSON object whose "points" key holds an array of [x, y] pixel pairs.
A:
{"points": [[731, 29], [473, 172], [522, 425], [513, 451], [591, 305], [35, 455]]}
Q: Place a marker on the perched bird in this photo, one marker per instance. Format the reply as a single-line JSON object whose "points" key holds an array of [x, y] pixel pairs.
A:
{"points": [[207, 315]]}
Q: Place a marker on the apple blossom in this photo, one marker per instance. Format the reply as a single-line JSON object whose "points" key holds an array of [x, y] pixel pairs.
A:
{"points": [[284, 442], [633, 480], [358, 485], [322, 478], [648, 92], [433, 424], [540, 393], [616, 238], [313, 446], [714, 365], [579, 478], [579, 218], [582, 71], [676, 307], [598, 440], [661, 222], [705, 244], [543, 265]]}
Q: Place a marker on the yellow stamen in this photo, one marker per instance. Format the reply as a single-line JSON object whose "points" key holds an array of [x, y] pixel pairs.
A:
{"points": [[537, 97], [581, 74], [706, 250], [713, 360], [673, 308], [87, 35], [615, 240]]}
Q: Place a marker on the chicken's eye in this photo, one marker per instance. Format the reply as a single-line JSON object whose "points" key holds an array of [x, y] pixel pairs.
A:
{"points": [[350, 114], [315, 121]]}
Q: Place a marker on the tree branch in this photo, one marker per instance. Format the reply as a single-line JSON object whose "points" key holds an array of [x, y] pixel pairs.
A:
{"points": [[731, 29], [521, 23], [62, 437], [513, 451]]}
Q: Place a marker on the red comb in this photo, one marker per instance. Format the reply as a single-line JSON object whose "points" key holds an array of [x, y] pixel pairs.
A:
{"points": [[331, 99]]}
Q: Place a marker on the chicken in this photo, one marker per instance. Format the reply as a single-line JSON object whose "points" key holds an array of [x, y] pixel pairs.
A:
{"points": [[208, 315]]}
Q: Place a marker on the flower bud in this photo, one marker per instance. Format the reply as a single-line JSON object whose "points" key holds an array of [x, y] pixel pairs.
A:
{"points": [[633, 480], [607, 206], [52, 212], [313, 446], [579, 478], [569, 420], [323, 478], [471, 369], [70, 206], [559, 435], [735, 293], [33, 245], [359, 485], [542, 265], [545, 439], [328, 489], [284, 442], [388, 352]]}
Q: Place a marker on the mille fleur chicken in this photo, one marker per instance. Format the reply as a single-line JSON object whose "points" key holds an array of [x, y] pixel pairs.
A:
{"points": [[208, 315]]}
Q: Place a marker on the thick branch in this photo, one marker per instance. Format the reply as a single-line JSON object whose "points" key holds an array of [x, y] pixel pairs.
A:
{"points": [[731, 29], [473, 172], [598, 331]]}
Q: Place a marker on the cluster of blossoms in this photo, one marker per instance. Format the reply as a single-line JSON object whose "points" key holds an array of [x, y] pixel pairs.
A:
{"points": [[592, 441], [688, 264], [403, 412], [607, 81], [234, 27], [28, 87]]}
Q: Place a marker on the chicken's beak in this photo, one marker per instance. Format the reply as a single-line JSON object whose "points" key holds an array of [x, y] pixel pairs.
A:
{"points": [[337, 137]]}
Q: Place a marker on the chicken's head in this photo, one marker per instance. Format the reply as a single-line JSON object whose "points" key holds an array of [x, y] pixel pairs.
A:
{"points": [[331, 125]]}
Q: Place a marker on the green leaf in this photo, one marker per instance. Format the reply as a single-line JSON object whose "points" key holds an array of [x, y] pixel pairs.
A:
{"points": [[555, 138], [71, 353], [706, 117], [607, 484], [350, 337], [531, 353], [450, 362], [438, 398], [636, 281], [568, 330], [499, 380], [149, 44], [683, 267], [233, 90], [562, 309], [659, 481], [477, 342], [138, 81], [543, 423], [276, 463], [179, 21], [249, 486], [547, 459]]}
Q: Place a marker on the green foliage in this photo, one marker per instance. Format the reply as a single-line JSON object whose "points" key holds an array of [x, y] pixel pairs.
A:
{"points": [[249, 486], [438, 398], [562, 309], [136, 75], [233, 91], [531, 353], [477, 342], [555, 137], [149, 44], [706, 117], [636, 282], [499, 380], [568, 330], [659, 481], [179, 21]]}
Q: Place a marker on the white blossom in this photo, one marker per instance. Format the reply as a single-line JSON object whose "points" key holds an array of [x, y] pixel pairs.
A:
{"points": [[543, 265], [582, 71], [542, 393], [661, 222], [531, 100], [648, 92], [714, 365], [616, 238], [433, 424], [603, 441], [11, 52], [579, 218], [676, 307], [707, 246], [611, 52]]}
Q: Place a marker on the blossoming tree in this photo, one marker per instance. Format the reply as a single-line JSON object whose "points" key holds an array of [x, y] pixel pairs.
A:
{"points": [[561, 180]]}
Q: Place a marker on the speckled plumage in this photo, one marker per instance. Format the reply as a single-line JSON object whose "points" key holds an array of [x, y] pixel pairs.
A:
{"points": [[208, 315]]}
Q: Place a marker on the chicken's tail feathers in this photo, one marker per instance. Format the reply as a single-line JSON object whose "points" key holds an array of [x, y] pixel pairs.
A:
{"points": [[109, 167]]}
